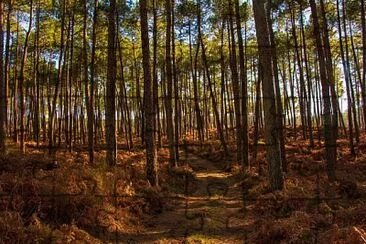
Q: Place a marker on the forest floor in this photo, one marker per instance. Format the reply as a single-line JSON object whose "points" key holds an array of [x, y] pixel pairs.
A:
{"points": [[205, 212], [199, 202]]}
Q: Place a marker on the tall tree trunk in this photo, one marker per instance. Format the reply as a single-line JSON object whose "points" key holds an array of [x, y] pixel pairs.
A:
{"points": [[110, 122], [347, 78], [7, 62], [269, 101], [212, 93], [257, 112], [59, 79], [244, 89], [2, 86], [195, 85], [169, 80], [352, 95], [363, 82], [37, 78], [125, 101], [155, 75], [16, 86], [177, 108], [151, 167], [90, 105], [308, 79], [222, 64], [21, 79], [71, 79], [330, 146], [235, 83], [330, 73], [359, 84], [279, 110], [85, 63], [302, 93]]}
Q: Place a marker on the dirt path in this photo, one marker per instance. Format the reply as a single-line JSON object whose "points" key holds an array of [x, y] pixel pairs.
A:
{"points": [[206, 213]]}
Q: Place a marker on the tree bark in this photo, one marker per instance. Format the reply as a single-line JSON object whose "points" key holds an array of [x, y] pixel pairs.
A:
{"points": [[235, 83], [269, 100], [279, 110], [212, 93], [2, 86], [151, 167], [110, 122], [21, 80], [330, 142], [194, 68], [169, 80], [244, 90], [7, 63], [90, 107], [59, 78], [347, 78], [363, 82], [308, 79], [155, 75], [177, 107]]}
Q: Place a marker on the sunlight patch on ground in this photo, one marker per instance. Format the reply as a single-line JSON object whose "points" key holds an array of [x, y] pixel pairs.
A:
{"points": [[201, 238], [226, 200], [157, 232], [219, 175]]}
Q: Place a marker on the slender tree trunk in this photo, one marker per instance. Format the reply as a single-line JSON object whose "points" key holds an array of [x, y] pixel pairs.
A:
{"points": [[155, 75], [212, 93], [257, 113], [59, 79], [279, 110], [16, 86], [90, 107], [302, 93], [125, 101], [330, 73], [308, 79], [222, 93], [235, 83], [2, 87], [86, 66], [359, 77], [37, 78], [347, 78], [71, 79], [294, 118], [195, 85], [21, 80], [169, 80], [352, 96], [244, 89], [7, 63], [64, 81], [151, 169], [177, 108], [363, 82], [110, 122], [139, 109], [272, 140], [330, 146]]}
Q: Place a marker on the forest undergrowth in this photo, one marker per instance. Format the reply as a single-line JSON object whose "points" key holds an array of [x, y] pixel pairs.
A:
{"points": [[64, 200]]}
